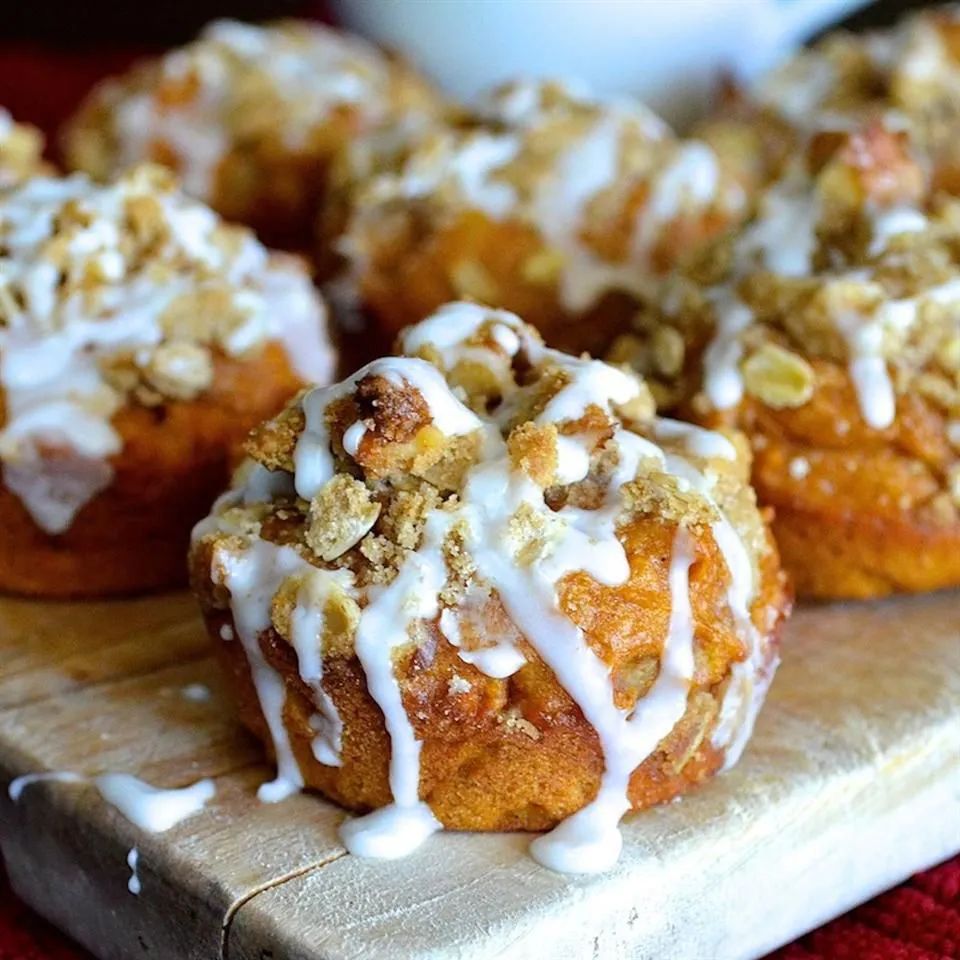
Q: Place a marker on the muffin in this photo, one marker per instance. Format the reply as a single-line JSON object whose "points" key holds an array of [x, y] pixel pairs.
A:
{"points": [[251, 118], [550, 203], [828, 330], [907, 77], [140, 339], [481, 586], [21, 151]]}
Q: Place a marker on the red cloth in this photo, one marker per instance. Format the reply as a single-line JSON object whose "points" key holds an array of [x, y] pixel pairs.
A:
{"points": [[918, 921]]}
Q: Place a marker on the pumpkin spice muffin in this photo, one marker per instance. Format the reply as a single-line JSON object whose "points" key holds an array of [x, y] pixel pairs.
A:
{"points": [[551, 203], [828, 330], [140, 339], [481, 586], [907, 77], [251, 118]]}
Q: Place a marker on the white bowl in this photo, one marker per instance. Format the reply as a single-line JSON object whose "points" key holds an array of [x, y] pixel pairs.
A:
{"points": [[667, 52]]}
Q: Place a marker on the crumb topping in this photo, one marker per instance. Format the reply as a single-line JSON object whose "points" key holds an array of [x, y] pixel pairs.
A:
{"points": [[545, 458], [126, 293], [857, 261], [612, 194], [240, 87], [21, 151]]}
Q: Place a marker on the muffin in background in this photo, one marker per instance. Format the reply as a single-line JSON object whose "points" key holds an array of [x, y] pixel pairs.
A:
{"points": [[828, 330], [251, 118], [561, 207], [140, 339], [906, 77]]}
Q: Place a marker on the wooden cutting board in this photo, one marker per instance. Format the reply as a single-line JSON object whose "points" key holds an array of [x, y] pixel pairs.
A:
{"points": [[851, 783]]}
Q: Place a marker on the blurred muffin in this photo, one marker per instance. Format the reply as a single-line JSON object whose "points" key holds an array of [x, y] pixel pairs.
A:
{"points": [[21, 151], [251, 118], [140, 339], [907, 77], [828, 330], [553, 204], [480, 585]]}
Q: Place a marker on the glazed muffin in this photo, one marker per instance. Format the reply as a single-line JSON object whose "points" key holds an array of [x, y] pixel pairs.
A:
{"points": [[21, 151], [907, 77], [553, 204], [251, 117], [140, 339], [481, 586], [828, 330]]}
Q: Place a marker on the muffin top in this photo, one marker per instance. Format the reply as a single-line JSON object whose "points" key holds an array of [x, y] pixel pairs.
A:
{"points": [[613, 195], [122, 294], [907, 77], [240, 86], [21, 151], [852, 258], [468, 483]]}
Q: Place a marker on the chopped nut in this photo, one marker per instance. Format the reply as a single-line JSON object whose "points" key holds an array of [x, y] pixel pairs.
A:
{"points": [[948, 355], [471, 279], [778, 378], [179, 370], [668, 351], [341, 515], [543, 267]]}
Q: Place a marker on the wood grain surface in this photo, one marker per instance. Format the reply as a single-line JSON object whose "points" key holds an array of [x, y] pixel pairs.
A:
{"points": [[851, 783]]}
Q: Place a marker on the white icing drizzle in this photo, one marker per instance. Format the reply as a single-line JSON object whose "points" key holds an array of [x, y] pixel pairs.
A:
{"points": [[313, 458], [253, 577], [589, 841], [55, 333], [306, 636], [133, 860], [144, 805], [782, 240], [19, 784], [574, 539], [309, 69], [152, 808], [196, 693], [893, 222]]}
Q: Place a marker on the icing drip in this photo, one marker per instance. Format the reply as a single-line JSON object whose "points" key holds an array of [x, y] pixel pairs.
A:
{"points": [[306, 636], [149, 807], [133, 860], [722, 380], [253, 577], [19, 784], [398, 829], [313, 459], [589, 841], [196, 693]]}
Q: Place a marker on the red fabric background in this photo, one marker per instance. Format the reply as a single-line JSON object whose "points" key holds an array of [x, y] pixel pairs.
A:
{"points": [[918, 921]]}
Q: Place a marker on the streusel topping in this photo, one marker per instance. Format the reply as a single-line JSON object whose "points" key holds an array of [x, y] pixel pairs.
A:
{"points": [[480, 468], [608, 188], [21, 151], [239, 85], [857, 261], [125, 293]]}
